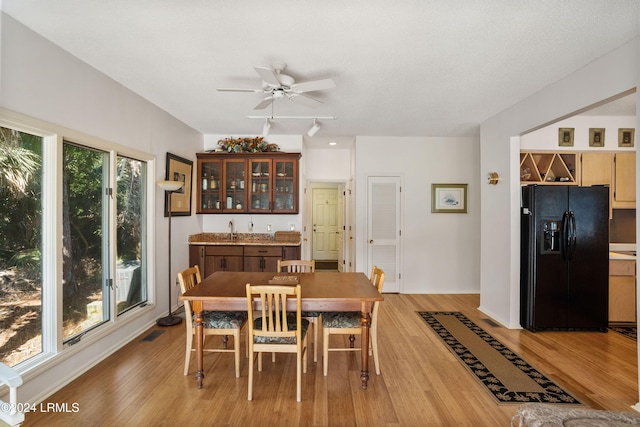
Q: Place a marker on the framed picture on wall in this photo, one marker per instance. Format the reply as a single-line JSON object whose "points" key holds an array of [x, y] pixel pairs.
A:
{"points": [[449, 198], [565, 137], [179, 169], [626, 137], [596, 137]]}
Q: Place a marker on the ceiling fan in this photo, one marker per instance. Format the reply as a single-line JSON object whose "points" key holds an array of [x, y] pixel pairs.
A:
{"points": [[276, 85]]}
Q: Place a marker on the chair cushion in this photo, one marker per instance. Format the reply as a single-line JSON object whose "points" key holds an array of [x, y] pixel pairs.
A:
{"points": [[291, 324], [342, 319], [310, 314], [223, 319]]}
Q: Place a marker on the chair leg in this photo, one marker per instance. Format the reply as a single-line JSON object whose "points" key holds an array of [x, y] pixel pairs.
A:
{"points": [[325, 350], [187, 358], [250, 377], [374, 345], [299, 376], [316, 322], [305, 353], [236, 350]]}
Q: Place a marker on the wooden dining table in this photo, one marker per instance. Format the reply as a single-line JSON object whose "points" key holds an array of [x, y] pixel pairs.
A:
{"points": [[322, 291]]}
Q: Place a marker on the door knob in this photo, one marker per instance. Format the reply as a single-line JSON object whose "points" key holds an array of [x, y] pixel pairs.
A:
{"points": [[371, 241]]}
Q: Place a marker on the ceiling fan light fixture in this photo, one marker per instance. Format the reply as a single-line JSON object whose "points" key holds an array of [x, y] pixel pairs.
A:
{"points": [[314, 129], [265, 128]]}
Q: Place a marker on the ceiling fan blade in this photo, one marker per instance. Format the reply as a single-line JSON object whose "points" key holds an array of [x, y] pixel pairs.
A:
{"points": [[310, 86], [268, 75], [224, 89], [305, 100], [264, 103]]}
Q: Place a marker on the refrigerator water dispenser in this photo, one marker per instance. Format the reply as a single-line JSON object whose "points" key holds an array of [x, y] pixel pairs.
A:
{"points": [[551, 236]]}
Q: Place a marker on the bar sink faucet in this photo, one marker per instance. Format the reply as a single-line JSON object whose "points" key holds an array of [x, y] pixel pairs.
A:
{"points": [[232, 235]]}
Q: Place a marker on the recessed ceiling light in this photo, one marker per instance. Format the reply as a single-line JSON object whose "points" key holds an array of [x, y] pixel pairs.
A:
{"points": [[333, 143]]}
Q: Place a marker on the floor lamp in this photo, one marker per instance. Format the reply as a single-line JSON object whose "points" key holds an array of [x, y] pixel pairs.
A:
{"points": [[169, 188]]}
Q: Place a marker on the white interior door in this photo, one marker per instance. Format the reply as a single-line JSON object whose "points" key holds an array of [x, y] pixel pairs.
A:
{"points": [[383, 228], [325, 223]]}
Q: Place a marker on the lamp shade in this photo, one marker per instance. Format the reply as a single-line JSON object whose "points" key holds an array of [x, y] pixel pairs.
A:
{"points": [[170, 185]]}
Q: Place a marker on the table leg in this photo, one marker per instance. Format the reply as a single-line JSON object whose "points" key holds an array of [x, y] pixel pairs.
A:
{"points": [[197, 309], [366, 323]]}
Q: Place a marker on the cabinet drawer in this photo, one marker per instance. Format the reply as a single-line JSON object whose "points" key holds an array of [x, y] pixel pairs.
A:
{"points": [[223, 250], [622, 268], [263, 251]]}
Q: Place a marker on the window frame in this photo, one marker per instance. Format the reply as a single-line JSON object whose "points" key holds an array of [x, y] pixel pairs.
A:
{"points": [[54, 136]]}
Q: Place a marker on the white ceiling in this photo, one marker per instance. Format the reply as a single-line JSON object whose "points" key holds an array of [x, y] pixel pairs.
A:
{"points": [[401, 68]]}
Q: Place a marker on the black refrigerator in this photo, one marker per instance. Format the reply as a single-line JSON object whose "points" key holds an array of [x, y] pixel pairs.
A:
{"points": [[564, 267]]}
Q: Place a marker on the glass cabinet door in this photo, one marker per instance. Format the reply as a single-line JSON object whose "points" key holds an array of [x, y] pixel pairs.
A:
{"points": [[260, 189], [209, 174], [285, 187], [234, 191]]}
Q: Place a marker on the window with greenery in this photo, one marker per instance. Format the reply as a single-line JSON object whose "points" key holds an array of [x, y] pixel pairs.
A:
{"points": [[85, 233], [20, 246], [131, 266], [84, 262]]}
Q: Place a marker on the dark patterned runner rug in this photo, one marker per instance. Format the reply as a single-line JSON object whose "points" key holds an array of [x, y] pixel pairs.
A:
{"points": [[507, 377], [627, 331]]}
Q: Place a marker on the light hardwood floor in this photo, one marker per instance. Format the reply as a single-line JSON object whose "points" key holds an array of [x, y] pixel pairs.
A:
{"points": [[422, 383]]}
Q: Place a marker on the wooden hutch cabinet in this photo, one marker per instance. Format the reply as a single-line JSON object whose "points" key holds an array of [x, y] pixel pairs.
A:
{"points": [[247, 183]]}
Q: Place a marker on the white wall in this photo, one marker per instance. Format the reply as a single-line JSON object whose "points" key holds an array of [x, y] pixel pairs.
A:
{"points": [[40, 80], [327, 164], [440, 252], [600, 80]]}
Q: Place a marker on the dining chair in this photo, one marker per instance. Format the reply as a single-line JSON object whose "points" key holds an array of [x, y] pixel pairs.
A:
{"points": [[350, 323], [276, 330], [304, 266], [222, 323]]}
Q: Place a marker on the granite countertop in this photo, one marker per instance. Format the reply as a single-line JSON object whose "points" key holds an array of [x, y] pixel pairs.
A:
{"points": [[279, 238]]}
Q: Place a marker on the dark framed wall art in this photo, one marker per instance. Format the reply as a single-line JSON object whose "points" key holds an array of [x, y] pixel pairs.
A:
{"points": [[179, 169], [596, 137], [626, 137]]}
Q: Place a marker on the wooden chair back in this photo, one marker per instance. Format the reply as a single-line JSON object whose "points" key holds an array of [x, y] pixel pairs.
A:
{"points": [[377, 279], [188, 279], [297, 266], [272, 300]]}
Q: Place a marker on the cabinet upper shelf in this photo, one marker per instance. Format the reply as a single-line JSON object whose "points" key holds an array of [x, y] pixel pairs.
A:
{"points": [[548, 168]]}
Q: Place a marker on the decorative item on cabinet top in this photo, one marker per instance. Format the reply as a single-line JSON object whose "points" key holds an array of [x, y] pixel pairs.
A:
{"points": [[245, 145]]}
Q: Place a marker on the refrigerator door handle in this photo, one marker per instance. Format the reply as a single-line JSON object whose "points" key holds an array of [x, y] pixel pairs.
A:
{"points": [[572, 235], [564, 236]]}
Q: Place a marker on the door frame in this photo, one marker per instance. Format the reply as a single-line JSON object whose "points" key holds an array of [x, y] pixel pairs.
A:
{"points": [[307, 234]]}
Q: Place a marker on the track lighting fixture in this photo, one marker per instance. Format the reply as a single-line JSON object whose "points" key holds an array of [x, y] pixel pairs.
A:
{"points": [[266, 127], [314, 129]]}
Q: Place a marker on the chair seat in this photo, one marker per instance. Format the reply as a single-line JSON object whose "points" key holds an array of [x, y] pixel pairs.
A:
{"points": [[342, 319], [291, 325], [310, 314], [223, 319]]}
